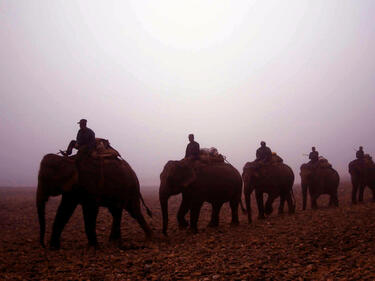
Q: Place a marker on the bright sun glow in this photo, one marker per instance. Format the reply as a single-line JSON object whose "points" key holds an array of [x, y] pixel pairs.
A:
{"points": [[190, 24]]}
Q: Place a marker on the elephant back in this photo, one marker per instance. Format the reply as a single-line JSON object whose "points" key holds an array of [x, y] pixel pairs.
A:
{"points": [[260, 174]]}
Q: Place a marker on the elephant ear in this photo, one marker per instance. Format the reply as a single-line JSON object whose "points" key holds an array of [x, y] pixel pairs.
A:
{"points": [[185, 174], [304, 170]]}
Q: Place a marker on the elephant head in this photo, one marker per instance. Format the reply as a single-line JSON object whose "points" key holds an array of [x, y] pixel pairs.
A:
{"points": [[174, 179], [252, 172], [57, 174], [306, 174]]}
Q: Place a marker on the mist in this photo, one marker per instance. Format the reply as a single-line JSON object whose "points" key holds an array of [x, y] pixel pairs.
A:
{"points": [[144, 74]]}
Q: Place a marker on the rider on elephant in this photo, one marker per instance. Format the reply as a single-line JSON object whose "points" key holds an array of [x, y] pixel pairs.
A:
{"points": [[192, 149], [85, 142], [263, 153], [314, 155], [360, 153]]}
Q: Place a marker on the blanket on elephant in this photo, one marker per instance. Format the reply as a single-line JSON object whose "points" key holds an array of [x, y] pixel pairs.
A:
{"points": [[322, 163], [103, 149], [210, 156], [275, 161]]}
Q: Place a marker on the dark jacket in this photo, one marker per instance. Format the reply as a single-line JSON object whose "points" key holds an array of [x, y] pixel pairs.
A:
{"points": [[264, 153], [314, 156], [192, 150], [86, 137], [360, 154]]}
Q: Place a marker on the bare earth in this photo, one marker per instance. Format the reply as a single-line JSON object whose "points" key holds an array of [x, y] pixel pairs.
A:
{"points": [[324, 244]]}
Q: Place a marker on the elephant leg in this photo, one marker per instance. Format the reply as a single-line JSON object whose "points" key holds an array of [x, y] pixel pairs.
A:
{"points": [[373, 194], [116, 224], [314, 204], [281, 206], [291, 206], [215, 214], [335, 200], [268, 206], [259, 197], [354, 194], [66, 208], [234, 208], [361, 191], [90, 214], [248, 204], [194, 216], [182, 211]]}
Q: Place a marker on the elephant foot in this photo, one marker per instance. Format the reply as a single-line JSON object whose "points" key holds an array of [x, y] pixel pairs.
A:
{"points": [[193, 230], [183, 225], [54, 245], [268, 211], [213, 224], [117, 242]]}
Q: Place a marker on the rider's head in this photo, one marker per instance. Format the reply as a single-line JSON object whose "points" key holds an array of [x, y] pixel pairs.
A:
{"points": [[82, 123], [360, 148], [262, 143], [191, 137], [313, 148]]}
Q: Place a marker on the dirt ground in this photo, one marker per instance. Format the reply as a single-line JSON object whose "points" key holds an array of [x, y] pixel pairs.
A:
{"points": [[324, 244]]}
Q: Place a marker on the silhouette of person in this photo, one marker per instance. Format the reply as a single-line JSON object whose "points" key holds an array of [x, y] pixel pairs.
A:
{"points": [[263, 153], [192, 149], [360, 153], [314, 155], [85, 141]]}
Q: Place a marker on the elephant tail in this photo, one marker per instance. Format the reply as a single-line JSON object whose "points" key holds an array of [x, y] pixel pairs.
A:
{"points": [[293, 198], [149, 213]]}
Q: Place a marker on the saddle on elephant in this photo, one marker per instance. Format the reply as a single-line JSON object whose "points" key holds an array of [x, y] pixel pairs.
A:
{"points": [[93, 163], [103, 149], [210, 156], [275, 160], [322, 163]]}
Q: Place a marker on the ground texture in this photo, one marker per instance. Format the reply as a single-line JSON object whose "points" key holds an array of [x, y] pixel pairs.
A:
{"points": [[324, 244]]}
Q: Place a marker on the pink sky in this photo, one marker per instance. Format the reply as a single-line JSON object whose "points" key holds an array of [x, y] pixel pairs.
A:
{"points": [[147, 73]]}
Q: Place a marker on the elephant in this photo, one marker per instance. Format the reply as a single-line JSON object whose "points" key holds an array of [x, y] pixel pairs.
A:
{"points": [[362, 172], [319, 181], [275, 180], [109, 183], [214, 183]]}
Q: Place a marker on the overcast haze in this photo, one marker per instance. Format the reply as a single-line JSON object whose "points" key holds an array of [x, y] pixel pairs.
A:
{"points": [[147, 73]]}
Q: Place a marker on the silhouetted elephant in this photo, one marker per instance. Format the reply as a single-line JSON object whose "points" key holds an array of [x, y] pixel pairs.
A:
{"points": [[274, 179], [362, 174], [319, 181], [110, 183], [215, 183]]}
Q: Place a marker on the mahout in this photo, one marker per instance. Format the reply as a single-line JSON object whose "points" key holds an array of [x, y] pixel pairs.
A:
{"points": [[318, 177], [213, 183], [271, 177], [111, 183]]}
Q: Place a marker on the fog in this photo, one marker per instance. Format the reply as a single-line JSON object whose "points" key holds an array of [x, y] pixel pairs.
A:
{"points": [[145, 74]]}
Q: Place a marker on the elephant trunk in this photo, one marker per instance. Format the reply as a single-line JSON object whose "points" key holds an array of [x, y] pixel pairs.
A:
{"points": [[164, 209], [41, 206], [304, 194]]}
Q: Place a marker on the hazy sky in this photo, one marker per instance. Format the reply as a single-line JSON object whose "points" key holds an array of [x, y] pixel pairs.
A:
{"points": [[147, 73]]}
